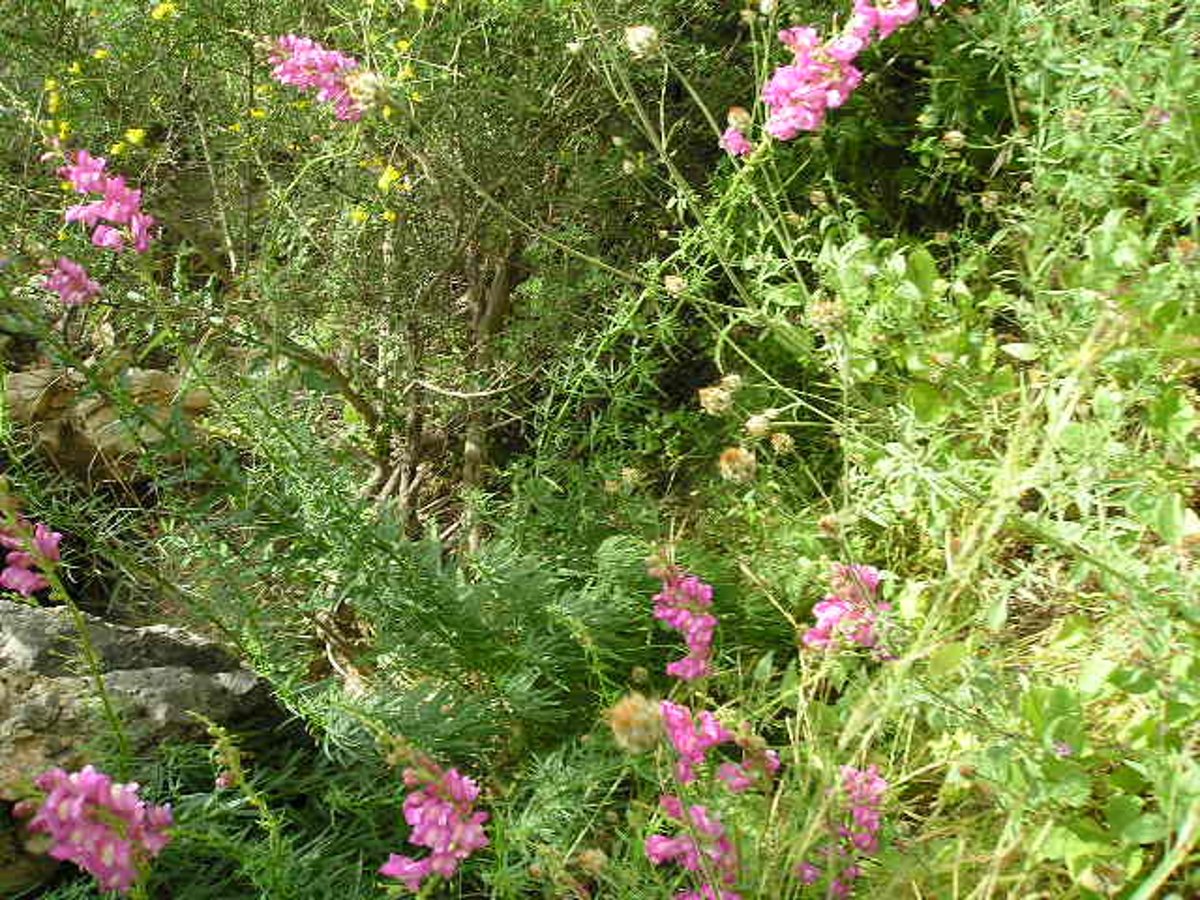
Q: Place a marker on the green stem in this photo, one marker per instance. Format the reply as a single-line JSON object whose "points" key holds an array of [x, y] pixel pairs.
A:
{"points": [[92, 658]]}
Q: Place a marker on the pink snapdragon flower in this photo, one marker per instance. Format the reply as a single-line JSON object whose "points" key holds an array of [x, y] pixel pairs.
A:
{"points": [[758, 766], [821, 77], [302, 63], [692, 739], [683, 605], [849, 615], [102, 827], [440, 811], [703, 845], [119, 208], [887, 15], [735, 143], [70, 281], [861, 809], [28, 549], [86, 173]]}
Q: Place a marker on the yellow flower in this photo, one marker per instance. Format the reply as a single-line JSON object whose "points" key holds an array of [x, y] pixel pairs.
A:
{"points": [[100, 53], [258, 113], [135, 136], [388, 178], [54, 102], [421, 5], [117, 149], [50, 85], [358, 215], [406, 72], [416, 97], [235, 127], [64, 129], [75, 69], [402, 46], [164, 11], [389, 215]]}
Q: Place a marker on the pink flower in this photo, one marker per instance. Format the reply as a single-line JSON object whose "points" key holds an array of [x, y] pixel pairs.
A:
{"points": [[302, 63], [734, 143], [121, 205], [441, 814], [109, 238], [410, 871], [849, 615], [692, 739], [21, 579], [102, 827], [46, 542], [704, 846], [862, 818], [86, 174], [887, 15], [682, 605], [70, 281], [140, 225]]}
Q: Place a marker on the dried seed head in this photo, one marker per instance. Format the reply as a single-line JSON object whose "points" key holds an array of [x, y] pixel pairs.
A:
{"points": [[636, 723], [737, 464], [642, 40]]}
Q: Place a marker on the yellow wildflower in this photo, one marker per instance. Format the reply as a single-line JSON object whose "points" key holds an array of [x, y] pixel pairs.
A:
{"points": [[258, 113], [389, 215], [100, 53], [162, 11], [358, 215], [75, 69], [402, 46], [135, 136], [388, 178], [116, 149]]}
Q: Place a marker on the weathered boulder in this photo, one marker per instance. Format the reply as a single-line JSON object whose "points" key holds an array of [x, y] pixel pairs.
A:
{"points": [[85, 433], [155, 676]]}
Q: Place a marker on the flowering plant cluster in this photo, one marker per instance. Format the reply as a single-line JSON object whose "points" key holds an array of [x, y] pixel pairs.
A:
{"points": [[102, 827], [822, 74], [857, 834], [683, 604], [115, 219], [29, 548], [120, 206], [302, 63], [849, 614], [440, 811], [704, 846]]}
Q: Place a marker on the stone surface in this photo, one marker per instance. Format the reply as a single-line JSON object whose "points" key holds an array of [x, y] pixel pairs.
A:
{"points": [[155, 676]]}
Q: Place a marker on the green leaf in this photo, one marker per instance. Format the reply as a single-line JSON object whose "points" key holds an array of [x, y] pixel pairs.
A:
{"points": [[1121, 810], [922, 270], [762, 670], [1146, 829], [947, 658], [928, 402], [1023, 352]]}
